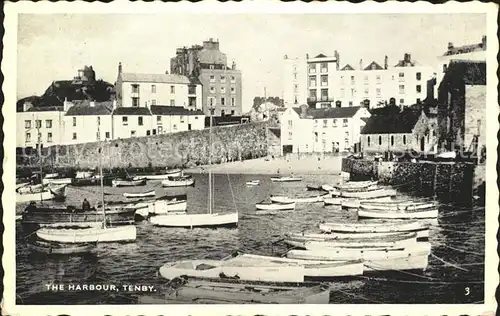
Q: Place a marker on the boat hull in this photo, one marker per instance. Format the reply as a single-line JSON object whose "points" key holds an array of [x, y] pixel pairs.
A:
{"points": [[60, 249], [196, 220], [364, 213], [178, 183], [275, 206], [369, 194], [47, 217], [125, 183], [374, 227], [284, 199], [285, 179], [164, 207], [57, 181], [112, 234], [139, 195], [50, 193]]}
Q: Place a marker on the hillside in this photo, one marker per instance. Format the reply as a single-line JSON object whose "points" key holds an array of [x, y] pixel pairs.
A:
{"points": [[59, 90]]}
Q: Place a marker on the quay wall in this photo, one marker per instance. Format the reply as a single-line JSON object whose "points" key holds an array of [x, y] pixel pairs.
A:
{"points": [[184, 149], [448, 182]]}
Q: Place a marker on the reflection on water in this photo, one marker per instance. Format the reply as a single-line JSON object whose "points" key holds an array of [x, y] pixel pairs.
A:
{"points": [[456, 263]]}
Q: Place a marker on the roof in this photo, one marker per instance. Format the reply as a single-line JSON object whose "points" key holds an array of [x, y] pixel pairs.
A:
{"points": [[465, 71], [321, 55], [173, 110], [347, 67], [99, 109], [402, 63], [402, 122], [131, 111], [45, 108], [154, 78], [344, 112], [373, 66], [465, 49]]}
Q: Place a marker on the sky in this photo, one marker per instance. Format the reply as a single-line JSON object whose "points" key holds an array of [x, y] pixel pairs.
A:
{"points": [[54, 46]]}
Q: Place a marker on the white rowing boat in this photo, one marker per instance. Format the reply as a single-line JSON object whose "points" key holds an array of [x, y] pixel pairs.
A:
{"points": [[128, 183], [275, 206], [402, 206], [303, 199], [53, 192], [378, 193], [388, 241], [196, 220], [94, 234], [57, 181], [380, 226], [139, 194], [399, 214], [286, 179], [183, 181], [253, 182]]}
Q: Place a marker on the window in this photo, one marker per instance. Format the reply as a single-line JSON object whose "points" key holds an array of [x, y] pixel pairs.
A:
{"points": [[48, 123], [342, 81], [124, 120], [392, 140], [324, 80], [324, 67], [222, 79], [196, 117], [401, 76], [334, 122], [418, 101], [158, 119], [232, 112], [172, 102], [40, 137], [290, 123], [353, 81], [175, 127], [97, 136], [222, 113], [233, 102], [368, 141], [28, 137], [160, 130], [366, 79], [312, 94], [233, 90], [346, 144], [132, 133], [172, 89], [419, 75], [135, 102], [379, 92], [154, 131], [312, 68], [211, 66], [316, 137], [27, 124], [367, 91], [135, 88], [350, 103], [353, 92], [380, 140], [346, 135], [223, 101], [325, 123], [211, 101], [401, 89], [107, 135], [212, 78], [419, 88], [223, 89], [98, 121], [39, 123], [324, 94], [212, 89], [140, 121], [342, 92], [290, 135], [295, 76], [233, 79], [296, 88], [153, 88], [192, 89], [404, 139], [445, 67], [344, 122], [74, 136], [312, 81], [401, 101], [182, 119], [153, 102], [148, 132], [74, 121], [379, 79]]}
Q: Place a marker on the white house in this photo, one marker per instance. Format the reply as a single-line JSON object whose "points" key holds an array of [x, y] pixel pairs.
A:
{"points": [[294, 81], [39, 125], [322, 130]]}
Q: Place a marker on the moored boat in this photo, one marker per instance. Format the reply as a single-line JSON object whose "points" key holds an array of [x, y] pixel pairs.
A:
{"points": [[181, 181], [52, 192], [399, 214], [381, 226], [128, 182], [275, 206], [196, 220], [163, 175], [159, 207], [388, 241], [298, 199], [139, 194], [356, 185], [57, 181], [332, 200], [402, 206], [377, 193], [355, 203], [253, 183], [93, 234], [314, 187], [286, 179], [53, 248]]}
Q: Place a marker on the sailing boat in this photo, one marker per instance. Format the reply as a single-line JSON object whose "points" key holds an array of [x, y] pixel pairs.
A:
{"points": [[93, 234], [209, 219]]}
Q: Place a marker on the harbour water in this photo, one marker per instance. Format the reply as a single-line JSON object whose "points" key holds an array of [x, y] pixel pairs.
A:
{"points": [[455, 273]]}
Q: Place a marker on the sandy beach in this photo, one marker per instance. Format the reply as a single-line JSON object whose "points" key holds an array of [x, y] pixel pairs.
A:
{"points": [[330, 165]]}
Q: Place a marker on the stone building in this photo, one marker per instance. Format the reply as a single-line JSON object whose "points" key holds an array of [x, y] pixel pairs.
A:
{"points": [[221, 83], [409, 130], [462, 105]]}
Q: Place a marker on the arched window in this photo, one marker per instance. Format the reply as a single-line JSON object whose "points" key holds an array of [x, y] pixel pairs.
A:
{"points": [[380, 140], [404, 139], [392, 140], [368, 138]]}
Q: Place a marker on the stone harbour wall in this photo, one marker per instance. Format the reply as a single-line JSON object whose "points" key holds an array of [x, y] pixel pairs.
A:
{"points": [[183, 149]]}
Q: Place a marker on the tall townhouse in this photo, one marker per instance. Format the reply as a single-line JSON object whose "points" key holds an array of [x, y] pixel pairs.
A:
{"points": [[305, 129], [221, 83], [42, 125], [321, 73], [294, 81], [88, 121]]}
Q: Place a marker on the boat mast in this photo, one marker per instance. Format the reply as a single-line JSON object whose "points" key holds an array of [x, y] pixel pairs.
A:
{"points": [[39, 141], [210, 163], [100, 174]]}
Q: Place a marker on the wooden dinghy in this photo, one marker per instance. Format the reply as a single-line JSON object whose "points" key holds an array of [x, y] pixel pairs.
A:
{"points": [[51, 192], [415, 257], [286, 179], [139, 194], [94, 234], [399, 214], [377, 193], [314, 187], [381, 226], [388, 241], [213, 220], [53, 248], [182, 181], [128, 183], [190, 290], [397, 206], [270, 206], [298, 199]]}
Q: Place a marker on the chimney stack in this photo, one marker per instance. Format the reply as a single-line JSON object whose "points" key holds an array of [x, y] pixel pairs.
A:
{"points": [[450, 45], [361, 64], [233, 66], [407, 58], [307, 56], [337, 60], [386, 62], [303, 111], [67, 105], [119, 68]]}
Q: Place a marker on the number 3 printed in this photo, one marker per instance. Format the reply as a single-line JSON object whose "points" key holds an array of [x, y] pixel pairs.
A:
{"points": [[467, 291]]}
